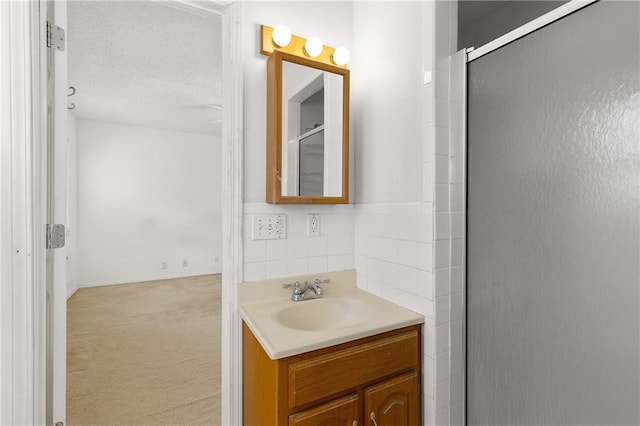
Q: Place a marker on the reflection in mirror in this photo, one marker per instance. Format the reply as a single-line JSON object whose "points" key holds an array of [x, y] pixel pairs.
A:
{"points": [[312, 133]]}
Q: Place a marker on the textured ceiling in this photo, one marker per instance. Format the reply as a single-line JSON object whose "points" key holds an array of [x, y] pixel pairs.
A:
{"points": [[146, 64]]}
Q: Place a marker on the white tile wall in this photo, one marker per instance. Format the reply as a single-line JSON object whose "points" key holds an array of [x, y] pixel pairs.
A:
{"points": [[450, 218], [298, 254], [392, 234], [458, 234], [394, 258], [412, 253], [444, 159]]}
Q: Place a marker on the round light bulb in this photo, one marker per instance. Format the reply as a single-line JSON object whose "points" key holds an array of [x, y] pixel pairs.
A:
{"points": [[340, 56], [313, 46], [281, 35]]}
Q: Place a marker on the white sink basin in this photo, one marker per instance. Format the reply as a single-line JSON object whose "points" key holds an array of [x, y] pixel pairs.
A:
{"points": [[285, 328], [325, 314]]}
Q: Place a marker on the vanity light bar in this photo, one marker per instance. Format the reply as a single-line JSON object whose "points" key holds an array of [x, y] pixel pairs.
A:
{"points": [[295, 47]]}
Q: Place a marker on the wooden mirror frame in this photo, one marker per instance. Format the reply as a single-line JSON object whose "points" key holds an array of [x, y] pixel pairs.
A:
{"points": [[274, 130]]}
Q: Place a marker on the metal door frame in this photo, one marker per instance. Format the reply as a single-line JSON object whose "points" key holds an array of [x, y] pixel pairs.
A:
{"points": [[531, 26]]}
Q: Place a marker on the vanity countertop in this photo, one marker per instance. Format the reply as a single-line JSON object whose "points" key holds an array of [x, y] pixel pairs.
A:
{"points": [[352, 314]]}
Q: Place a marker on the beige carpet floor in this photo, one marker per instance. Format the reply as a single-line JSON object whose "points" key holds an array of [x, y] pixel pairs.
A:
{"points": [[145, 353]]}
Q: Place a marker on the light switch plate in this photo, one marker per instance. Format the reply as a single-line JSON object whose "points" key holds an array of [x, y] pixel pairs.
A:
{"points": [[313, 224], [268, 226]]}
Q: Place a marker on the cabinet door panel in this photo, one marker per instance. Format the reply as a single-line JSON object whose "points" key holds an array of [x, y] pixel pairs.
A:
{"points": [[394, 402], [340, 412]]}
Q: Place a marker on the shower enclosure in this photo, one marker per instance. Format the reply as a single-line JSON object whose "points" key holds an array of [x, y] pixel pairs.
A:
{"points": [[553, 231]]}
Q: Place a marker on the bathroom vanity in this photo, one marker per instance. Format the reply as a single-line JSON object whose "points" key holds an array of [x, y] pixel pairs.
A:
{"points": [[350, 358]]}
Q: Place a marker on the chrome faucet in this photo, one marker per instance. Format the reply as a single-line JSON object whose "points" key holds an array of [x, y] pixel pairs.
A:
{"points": [[300, 291]]}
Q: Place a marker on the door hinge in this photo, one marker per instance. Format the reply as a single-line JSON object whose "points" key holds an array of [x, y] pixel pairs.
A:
{"points": [[55, 236], [55, 36]]}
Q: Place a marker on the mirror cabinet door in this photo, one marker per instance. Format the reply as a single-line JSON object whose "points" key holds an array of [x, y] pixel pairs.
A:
{"points": [[308, 139]]}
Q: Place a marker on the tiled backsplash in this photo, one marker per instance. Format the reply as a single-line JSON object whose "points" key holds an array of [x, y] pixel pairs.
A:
{"points": [[298, 254], [394, 252]]}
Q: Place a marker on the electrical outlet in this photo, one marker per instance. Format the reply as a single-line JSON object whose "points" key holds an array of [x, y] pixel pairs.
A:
{"points": [[163, 265], [185, 263], [313, 225], [269, 226], [215, 259]]}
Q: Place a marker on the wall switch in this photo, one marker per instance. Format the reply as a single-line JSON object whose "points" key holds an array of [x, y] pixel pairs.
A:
{"points": [[185, 263], [268, 226], [215, 259], [313, 225], [163, 265]]}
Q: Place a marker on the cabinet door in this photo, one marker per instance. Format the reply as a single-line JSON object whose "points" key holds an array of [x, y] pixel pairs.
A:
{"points": [[394, 402], [339, 412]]}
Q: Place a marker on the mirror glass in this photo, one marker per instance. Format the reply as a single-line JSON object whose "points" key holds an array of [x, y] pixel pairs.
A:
{"points": [[312, 132]]}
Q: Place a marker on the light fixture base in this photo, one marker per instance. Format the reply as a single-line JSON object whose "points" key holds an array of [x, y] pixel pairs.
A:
{"points": [[295, 47]]}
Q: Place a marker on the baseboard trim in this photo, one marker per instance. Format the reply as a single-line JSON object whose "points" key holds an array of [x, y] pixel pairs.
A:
{"points": [[146, 279], [71, 292]]}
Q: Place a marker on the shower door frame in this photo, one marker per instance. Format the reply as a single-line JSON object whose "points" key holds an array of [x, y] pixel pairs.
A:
{"points": [[526, 29]]}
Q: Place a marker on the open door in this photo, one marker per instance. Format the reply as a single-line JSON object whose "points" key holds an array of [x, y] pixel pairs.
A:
{"points": [[56, 271]]}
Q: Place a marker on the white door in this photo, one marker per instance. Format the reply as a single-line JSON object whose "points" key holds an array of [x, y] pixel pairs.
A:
{"points": [[56, 272]]}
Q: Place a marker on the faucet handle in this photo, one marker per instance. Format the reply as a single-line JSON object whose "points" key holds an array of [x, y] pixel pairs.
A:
{"points": [[296, 287], [321, 281]]}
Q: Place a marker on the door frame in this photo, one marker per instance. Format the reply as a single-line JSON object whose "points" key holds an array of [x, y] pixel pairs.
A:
{"points": [[232, 211], [23, 213], [23, 199]]}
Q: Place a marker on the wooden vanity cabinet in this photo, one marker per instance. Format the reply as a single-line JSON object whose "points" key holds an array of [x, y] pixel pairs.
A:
{"points": [[370, 381]]}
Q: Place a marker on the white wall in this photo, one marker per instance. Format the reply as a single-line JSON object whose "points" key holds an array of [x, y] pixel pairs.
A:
{"points": [[146, 196], [393, 105], [409, 220], [72, 204], [387, 101], [297, 254]]}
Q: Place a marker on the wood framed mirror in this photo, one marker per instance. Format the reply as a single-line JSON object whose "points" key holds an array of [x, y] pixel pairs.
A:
{"points": [[307, 131]]}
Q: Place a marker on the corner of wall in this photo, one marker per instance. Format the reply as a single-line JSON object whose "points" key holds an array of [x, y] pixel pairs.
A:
{"points": [[449, 218]]}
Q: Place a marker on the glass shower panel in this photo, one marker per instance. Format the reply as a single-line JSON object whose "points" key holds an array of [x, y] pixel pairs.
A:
{"points": [[312, 165], [553, 224]]}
